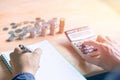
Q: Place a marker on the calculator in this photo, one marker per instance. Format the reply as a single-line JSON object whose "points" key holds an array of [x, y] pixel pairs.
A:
{"points": [[78, 35]]}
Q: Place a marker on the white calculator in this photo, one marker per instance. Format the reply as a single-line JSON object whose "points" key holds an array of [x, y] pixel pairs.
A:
{"points": [[78, 35]]}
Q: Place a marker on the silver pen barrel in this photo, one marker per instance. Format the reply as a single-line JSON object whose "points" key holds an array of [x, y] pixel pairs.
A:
{"points": [[24, 49]]}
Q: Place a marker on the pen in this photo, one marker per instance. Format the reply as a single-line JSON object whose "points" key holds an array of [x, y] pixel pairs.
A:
{"points": [[24, 49]]}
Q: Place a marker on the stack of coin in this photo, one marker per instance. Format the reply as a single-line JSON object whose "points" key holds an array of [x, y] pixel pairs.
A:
{"points": [[38, 27]]}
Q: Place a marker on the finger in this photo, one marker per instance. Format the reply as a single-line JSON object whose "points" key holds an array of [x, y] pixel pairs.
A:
{"points": [[37, 52], [11, 63], [106, 40], [17, 51], [11, 55], [93, 60], [12, 66], [96, 44], [101, 39], [94, 54], [12, 58]]}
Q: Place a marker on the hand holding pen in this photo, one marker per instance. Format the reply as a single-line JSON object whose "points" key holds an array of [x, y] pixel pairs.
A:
{"points": [[5, 60], [25, 62]]}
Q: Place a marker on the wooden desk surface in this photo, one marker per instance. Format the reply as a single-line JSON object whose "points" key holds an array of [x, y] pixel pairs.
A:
{"points": [[77, 13]]}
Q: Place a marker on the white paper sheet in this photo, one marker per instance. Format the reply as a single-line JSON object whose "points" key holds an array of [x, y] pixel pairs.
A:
{"points": [[53, 66]]}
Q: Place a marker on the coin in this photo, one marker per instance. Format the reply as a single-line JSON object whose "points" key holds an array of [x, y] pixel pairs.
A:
{"points": [[21, 36], [11, 38], [25, 29], [18, 30], [14, 25], [5, 28], [11, 32]]}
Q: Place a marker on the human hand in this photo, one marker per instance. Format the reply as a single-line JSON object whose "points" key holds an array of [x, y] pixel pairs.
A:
{"points": [[25, 62], [106, 55]]}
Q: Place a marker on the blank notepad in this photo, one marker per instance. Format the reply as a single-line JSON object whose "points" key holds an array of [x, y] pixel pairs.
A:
{"points": [[53, 66]]}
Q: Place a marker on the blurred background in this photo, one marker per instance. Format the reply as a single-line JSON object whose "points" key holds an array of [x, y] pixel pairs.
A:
{"points": [[102, 15]]}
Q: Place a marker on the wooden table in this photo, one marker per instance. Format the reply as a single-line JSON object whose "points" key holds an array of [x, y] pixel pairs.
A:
{"points": [[94, 13]]}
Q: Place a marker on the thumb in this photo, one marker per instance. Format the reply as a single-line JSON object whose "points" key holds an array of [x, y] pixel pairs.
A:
{"points": [[93, 60]]}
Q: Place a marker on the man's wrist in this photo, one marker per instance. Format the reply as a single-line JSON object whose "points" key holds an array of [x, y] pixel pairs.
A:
{"points": [[27, 70]]}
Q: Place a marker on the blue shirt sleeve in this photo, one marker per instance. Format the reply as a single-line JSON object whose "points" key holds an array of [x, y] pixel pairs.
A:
{"points": [[24, 76]]}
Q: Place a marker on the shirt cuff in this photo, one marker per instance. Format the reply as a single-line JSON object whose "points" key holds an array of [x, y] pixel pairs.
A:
{"points": [[24, 76]]}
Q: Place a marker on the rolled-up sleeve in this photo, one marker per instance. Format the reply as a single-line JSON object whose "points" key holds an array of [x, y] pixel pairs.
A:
{"points": [[24, 76]]}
